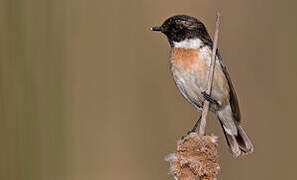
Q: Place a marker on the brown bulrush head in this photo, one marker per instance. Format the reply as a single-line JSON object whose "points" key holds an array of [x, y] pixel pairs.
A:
{"points": [[196, 158]]}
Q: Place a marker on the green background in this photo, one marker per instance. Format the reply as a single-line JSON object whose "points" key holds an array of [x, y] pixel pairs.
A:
{"points": [[85, 91]]}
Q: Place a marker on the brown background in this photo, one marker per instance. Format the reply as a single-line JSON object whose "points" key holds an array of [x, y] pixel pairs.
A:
{"points": [[85, 91]]}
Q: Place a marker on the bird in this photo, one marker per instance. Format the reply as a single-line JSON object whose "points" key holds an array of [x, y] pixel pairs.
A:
{"points": [[190, 59]]}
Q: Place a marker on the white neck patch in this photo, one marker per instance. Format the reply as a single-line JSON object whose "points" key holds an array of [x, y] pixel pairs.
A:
{"points": [[188, 44]]}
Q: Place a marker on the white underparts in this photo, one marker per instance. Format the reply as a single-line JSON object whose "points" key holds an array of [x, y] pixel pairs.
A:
{"points": [[205, 53], [189, 43]]}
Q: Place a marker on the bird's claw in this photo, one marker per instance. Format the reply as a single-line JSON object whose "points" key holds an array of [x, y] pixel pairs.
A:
{"points": [[189, 132], [209, 98]]}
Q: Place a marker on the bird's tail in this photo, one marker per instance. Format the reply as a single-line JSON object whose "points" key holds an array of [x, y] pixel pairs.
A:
{"points": [[237, 139]]}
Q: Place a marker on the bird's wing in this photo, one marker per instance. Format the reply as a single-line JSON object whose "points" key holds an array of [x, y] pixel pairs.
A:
{"points": [[233, 96], [206, 39]]}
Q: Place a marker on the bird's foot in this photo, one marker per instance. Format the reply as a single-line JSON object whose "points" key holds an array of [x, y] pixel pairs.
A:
{"points": [[189, 132], [193, 129], [209, 98]]}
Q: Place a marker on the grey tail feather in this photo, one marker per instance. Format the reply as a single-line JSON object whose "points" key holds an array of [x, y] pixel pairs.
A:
{"points": [[243, 140], [239, 144]]}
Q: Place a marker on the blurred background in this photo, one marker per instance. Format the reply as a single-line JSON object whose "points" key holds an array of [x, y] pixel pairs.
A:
{"points": [[85, 91]]}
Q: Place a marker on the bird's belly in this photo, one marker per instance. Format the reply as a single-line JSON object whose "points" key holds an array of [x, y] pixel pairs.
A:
{"points": [[193, 81], [190, 86]]}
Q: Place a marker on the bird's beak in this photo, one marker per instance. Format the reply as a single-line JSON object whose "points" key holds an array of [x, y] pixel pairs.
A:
{"points": [[156, 28]]}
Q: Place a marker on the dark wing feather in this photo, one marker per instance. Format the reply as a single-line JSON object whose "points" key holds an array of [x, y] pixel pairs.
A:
{"points": [[233, 96]]}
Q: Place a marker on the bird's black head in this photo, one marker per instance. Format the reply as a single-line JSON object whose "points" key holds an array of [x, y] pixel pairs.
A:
{"points": [[181, 27]]}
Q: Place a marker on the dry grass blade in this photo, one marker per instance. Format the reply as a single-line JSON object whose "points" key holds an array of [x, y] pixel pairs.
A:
{"points": [[210, 78]]}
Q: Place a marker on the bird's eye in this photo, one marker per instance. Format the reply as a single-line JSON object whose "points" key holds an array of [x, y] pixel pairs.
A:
{"points": [[177, 28]]}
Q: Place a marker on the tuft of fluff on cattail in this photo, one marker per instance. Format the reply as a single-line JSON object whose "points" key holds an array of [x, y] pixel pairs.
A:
{"points": [[196, 158]]}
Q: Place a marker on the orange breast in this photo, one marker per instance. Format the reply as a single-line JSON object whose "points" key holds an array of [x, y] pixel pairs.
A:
{"points": [[197, 62], [184, 58], [190, 60]]}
